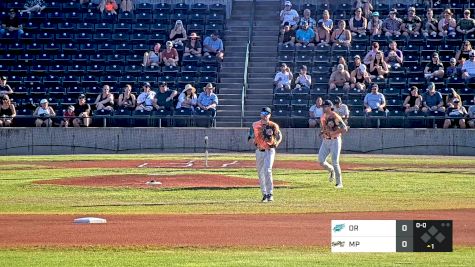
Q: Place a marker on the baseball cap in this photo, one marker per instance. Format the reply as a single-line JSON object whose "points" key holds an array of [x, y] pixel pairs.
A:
{"points": [[411, 9], [288, 3], [362, 67], [43, 101], [12, 10], [71, 107], [82, 96], [337, 100], [467, 11], [375, 14], [266, 111], [357, 56], [169, 43], [328, 103], [453, 60], [435, 54], [163, 84], [3, 78], [393, 11], [146, 84], [375, 85]]}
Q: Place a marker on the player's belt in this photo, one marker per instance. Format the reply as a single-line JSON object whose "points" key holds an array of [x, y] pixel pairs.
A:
{"points": [[330, 138], [262, 150]]}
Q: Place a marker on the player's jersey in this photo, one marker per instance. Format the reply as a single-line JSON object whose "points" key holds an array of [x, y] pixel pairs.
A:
{"points": [[265, 135], [330, 124]]}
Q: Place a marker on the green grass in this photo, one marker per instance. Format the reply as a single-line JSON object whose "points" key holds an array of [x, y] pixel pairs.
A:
{"points": [[462, 256]]}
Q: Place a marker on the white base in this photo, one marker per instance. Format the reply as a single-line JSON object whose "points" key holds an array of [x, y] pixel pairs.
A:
{"points": [[90, 220]]}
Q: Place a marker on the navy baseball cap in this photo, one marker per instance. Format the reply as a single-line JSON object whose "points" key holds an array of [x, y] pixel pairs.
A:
{"points": [[163, 84], [266, 111], [146, 84], [328, 103], [82, 96]]}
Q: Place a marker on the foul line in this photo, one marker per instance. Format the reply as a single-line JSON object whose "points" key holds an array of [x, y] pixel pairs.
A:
{"points": [[227, 164], [142, 165]]}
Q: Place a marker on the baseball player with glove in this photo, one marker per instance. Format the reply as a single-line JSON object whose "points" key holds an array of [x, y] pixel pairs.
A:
{"points": [[333, 127], [266, 136]]}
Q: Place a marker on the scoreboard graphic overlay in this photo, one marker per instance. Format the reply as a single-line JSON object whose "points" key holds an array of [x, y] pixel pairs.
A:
{"points": [[391, 235]]}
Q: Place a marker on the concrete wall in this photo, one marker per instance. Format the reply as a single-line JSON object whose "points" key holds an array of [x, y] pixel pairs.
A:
{"points": [[37, 141]]}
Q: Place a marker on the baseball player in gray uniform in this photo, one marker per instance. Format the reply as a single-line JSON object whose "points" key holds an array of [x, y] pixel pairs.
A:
{"points": [[333, 127]]}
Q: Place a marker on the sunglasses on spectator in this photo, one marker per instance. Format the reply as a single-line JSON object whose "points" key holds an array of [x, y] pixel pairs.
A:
{"points": [[193, 38], [264, 113]]}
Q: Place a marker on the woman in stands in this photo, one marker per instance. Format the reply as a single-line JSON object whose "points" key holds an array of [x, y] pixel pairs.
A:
{"points": [[378, 67], [360, 78], [152, 58], [170, 55], [447, 24], [178, 34], [342, 61], [187, 99], [105, 100], [413, 100], [358, 23], [193, 46], [43, 114], [463, 54], [109, 6], [7, 112], [327, 22], [341, 36], [127, 99], [127, 5], [451, 97], [375, 25]]}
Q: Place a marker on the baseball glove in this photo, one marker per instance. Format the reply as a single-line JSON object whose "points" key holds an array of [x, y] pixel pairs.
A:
{"points": [[268, 132]]}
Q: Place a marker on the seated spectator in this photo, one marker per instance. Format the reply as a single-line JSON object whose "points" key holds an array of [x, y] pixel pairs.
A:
{"points": [[375, 25], [392, 25], [193, 46], [127, 99], [393, 56], [464, 53], [82, 112], [11, 24], [430, 24], [365, 5], [342, 61], [453, 70], [360, 78], [322, 36], [339, 78], [468, 68], [170, 55], [5, 89], [378, 67], [127, 5], [109, 6], [68, 117], [413, 100], [356, 61], [164, 97], [371, 55], [358, 24], [315, 112], [287, 35], [375, 100], [327, 22], [435, 68], [146, 100], [341, 109], [303, 80], [432, 100], [43, 114], [466, 25], [471, 114], [7, 112], [411, 25], [283, 78], [187, 99], [312, 24], [341, 36], [447, 24], [289, 15], [456, 115], [178, 34], [152, 58], [105, 100], [213, 46], [207, 100], [451, 97], [33, 6], [305, 35]]}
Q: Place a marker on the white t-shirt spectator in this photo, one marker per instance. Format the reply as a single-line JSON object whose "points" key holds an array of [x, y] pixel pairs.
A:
{"points": [[282, 78], [317, 111], [374, 100], [343, 110], [146, 98], [289, 16]]}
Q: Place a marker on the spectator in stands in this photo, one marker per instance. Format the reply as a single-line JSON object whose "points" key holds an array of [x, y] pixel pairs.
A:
{"points": [[341, 109], [392, 24], [303, 80], [447, 24], [365, 5], [11, 24], [82, 112], [312, 24], [360, 78], [371, 55], [375, 25], [207, 100], [145, 100], [127, 99], [432, 100], [466, 25], [430, 24], [378, 67], [471, 114], [451, 97], [356, 61], [110, 6], [358, 24], [315, 112], [411, 25], [164, 97], [127, 5], [393, 56], [193, 46], [413, 100], [375, 100], [213, 46], [463, 54], [453, 70], [43, 114], [341, 60], [105, 100], [289, 15], [339, 78], [322, 36], [7, 112], [456, 115], [187, 99], [68, 117], [5, 89], [283, 78], [33, 6], [435, 68], [178, 34], [327, 22], [468, 68], [152, 58], [305, 35], [287, 35], [341, 36], [170, 55]]}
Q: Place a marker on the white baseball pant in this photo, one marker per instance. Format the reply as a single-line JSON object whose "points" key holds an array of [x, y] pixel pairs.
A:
{"points": [[264, 162], [333, 147]]}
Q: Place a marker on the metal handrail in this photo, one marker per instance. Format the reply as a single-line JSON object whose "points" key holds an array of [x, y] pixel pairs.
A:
{"points": [[245, 84]]}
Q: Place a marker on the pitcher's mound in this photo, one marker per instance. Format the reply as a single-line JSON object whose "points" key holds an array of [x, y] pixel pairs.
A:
{"points": [[160, 181]]}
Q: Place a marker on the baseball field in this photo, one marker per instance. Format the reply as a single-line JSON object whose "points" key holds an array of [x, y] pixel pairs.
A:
{"points": [[211, 215]]}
